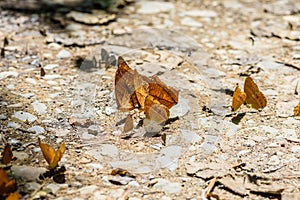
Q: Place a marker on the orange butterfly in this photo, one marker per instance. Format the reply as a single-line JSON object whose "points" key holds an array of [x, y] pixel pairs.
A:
{"points": [[251, 95], [7, 186], [297, 110], [7, 154], [238, 98], [254, 96], [150, 95], [52, 157]]}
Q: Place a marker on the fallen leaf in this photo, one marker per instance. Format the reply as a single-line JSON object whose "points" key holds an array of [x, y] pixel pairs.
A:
{"points": [[52, 156]]}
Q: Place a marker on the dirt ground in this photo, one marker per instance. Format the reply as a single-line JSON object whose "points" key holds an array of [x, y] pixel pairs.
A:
{"points": [[57, 71]]}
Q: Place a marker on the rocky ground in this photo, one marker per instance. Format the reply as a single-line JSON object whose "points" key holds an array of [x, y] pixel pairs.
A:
{"points": [[57, 83]]}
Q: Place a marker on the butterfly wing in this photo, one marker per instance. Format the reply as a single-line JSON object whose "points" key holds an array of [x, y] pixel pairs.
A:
{"points": [[124, 87], [58, 155], [238, 98], [167, 96], [155, 111], [297, 110], [7, 154], [254, 96], [128, 126], [48, 151]]}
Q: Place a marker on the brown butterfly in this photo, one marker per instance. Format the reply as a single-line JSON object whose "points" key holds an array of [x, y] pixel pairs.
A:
{"points": [[52, 156], [151, 95], [128, 126], [238, 98], [7, 186], [13, 196], [297, 110], [7, 154], [254, 96]]}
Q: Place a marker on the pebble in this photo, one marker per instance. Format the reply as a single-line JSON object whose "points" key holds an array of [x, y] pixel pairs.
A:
{"points": [[167, 186], [86, 136], [27, 173], [110, 110], [24, 116], [284, 109], [99, 196], [39, 108], [51, 77], [208, 146], [187, 21], [274, 160], [37, 129], [295, 149], [31, 81], [63, 54], [13, 125], [95, 130], [190, 136], [168, 157], [87, 190], [270, 65], [243, 153], [3, 117], [200, 13], [8, 74], [95, 166], [53, 187], [21, 155], [269, 130], [51, 66], [16, 105], [180, 109], [32, 186], [154, 7]]}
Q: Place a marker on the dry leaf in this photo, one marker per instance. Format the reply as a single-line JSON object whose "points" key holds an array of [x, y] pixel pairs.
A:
{"points": [[128, 126], [297, 110], [254, 96], [7, 154], [7, 186], [51, 156], [238, 98]]}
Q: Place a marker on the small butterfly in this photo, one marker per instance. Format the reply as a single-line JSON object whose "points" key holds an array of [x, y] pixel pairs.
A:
{"points": [[297, 110], [238, 98], [52, 156], [7, 186], [128, 126], [254, 96], [7, 154]]}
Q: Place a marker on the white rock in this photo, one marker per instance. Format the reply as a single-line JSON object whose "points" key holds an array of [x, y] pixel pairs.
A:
{"points": [[295, 149], [13, 125], [39, 108], [37, 129], [53, 187], [200, 13], [51, 66], [31, 81], [51, 77], [269, 130], [87, 190], [27, 173], [270, 65], [95, 165], [95, 130], [187, 21], [167, 186], [180, 109], [4, 75], [63, 54], [32, 186], [3, 117], [190, 136], [154, 7], [24, 116]]}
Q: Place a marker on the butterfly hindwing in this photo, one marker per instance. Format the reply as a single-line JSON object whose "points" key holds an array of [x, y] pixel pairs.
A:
{"points": [[254, 96]]}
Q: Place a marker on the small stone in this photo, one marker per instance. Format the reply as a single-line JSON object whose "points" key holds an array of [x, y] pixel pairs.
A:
{"points": [[86, 136], [95, 130], [4, 75], [95, 166], [51, 66], [243, 153], [109, 110], [295, 149], [53, 187], [13, 125], [100, 196], [24, 116], [3, 117], [39, 108], [21, 155], [269, 65], [269, 130], [200, 13], [87, 190], [63, 54], [31, 81], [154, 7], [27, 173], [51, 77], [274, 160], [187, 21], [190, 136], [32, 186], [167, 186], [37, 129], [180, 109]]}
